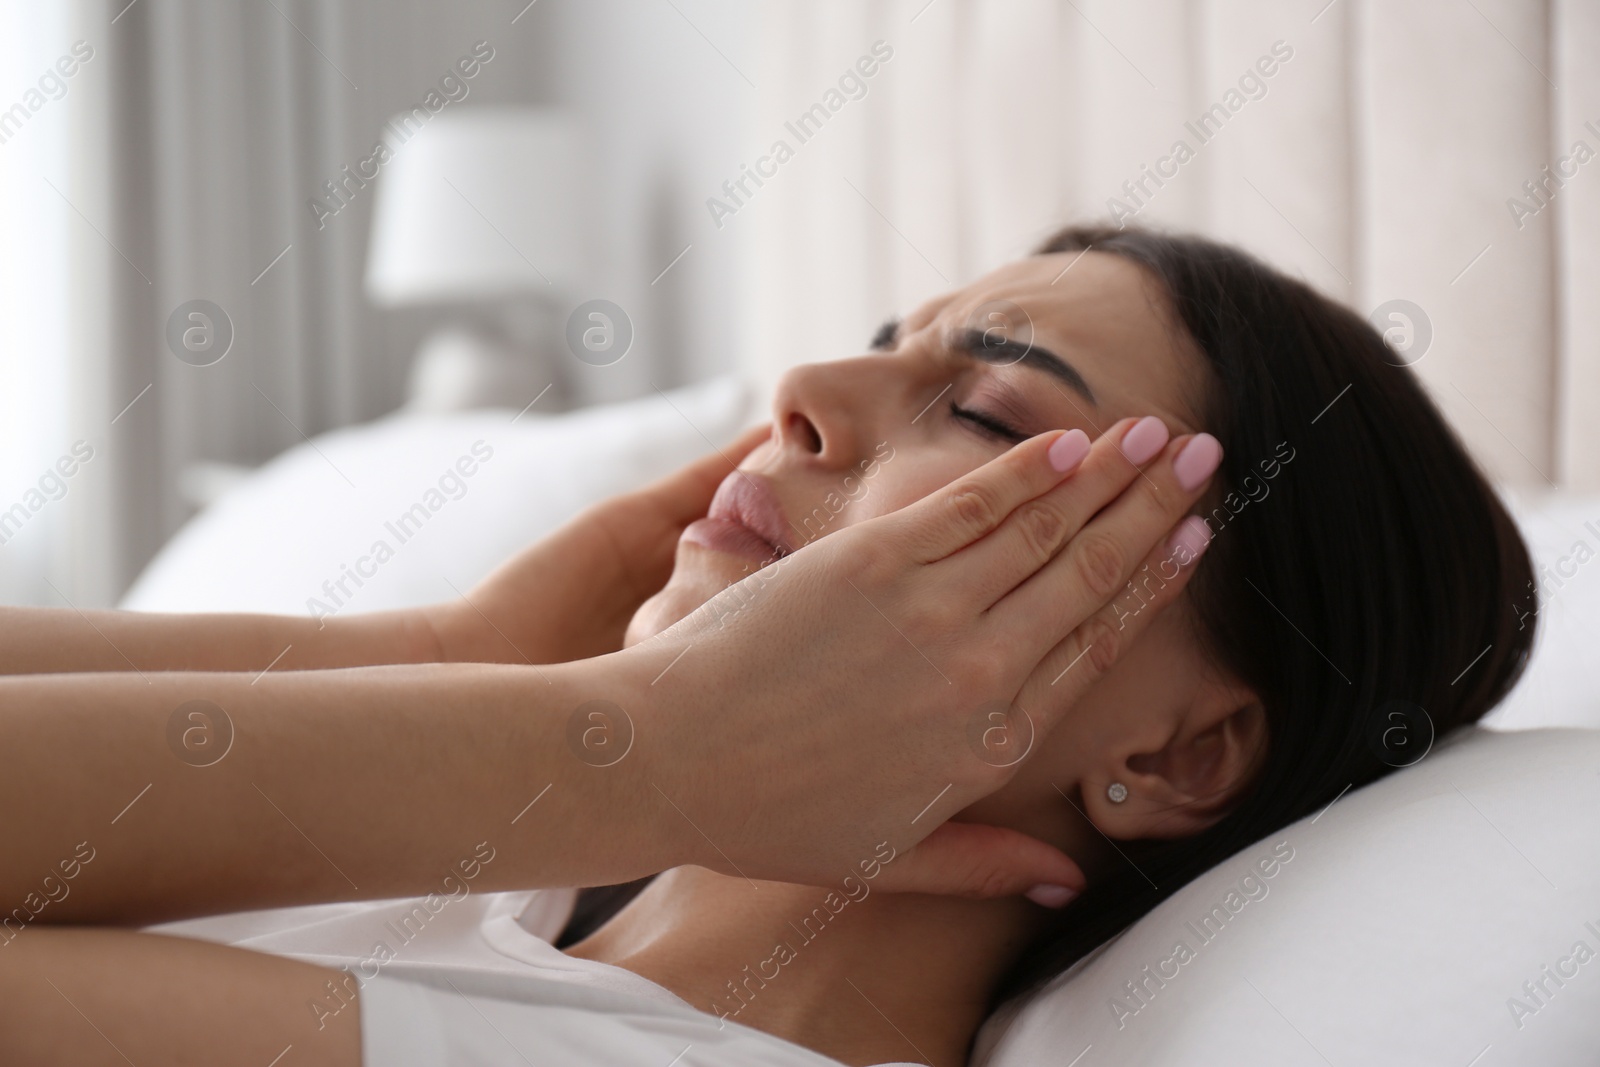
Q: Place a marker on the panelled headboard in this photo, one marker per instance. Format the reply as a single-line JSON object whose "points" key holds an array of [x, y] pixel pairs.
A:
{"points": [[1439, 153]]}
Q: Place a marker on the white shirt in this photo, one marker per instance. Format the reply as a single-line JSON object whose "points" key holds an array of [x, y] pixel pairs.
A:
{"points": [[476, 981]]}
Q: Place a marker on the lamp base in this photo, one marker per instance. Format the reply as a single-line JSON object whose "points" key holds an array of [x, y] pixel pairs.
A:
{"points": [[458, 368]]}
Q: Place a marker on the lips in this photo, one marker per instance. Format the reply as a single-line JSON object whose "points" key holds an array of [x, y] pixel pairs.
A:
{"points": [[745, 519]]}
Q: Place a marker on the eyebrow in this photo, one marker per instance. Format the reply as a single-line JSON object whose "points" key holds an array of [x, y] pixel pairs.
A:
{"points": [[1004, 351], [886, 336]]}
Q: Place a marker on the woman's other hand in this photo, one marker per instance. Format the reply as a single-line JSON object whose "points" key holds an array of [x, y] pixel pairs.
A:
{"points": [[570, 595]]}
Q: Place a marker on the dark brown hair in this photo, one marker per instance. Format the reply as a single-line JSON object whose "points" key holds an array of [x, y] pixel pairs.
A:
{"points": [[1371, 599]]}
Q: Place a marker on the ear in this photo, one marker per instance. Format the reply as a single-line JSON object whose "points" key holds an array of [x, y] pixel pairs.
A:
{"points": [[1190, 782]]}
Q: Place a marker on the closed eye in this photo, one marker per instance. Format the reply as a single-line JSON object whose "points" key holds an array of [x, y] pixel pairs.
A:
{"points": [[987, 424]]}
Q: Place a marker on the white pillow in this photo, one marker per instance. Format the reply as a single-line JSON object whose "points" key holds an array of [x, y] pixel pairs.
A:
{"points": [[317, 512], [1562, 684], [1397, 927]]}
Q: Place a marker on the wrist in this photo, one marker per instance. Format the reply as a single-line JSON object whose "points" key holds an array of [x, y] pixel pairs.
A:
{"points": [[450, 632], [465, 631], [613, 734]]}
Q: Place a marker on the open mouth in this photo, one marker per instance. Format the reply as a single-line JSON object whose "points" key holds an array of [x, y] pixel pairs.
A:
{"points": [[745, 519]]}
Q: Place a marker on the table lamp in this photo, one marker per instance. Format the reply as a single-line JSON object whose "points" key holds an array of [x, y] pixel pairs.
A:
{"points": [[481, 208]]}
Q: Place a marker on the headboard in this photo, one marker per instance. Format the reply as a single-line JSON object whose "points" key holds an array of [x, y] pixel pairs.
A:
{"points": [[1394, 153]]}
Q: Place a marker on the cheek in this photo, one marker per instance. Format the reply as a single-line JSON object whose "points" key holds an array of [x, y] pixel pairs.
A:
{"points": [[910, 474], [1139, 698], [908, 477], [1031, 802]]}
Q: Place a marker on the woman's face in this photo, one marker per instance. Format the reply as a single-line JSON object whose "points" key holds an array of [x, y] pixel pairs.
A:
{"points": [[1050, 342]]}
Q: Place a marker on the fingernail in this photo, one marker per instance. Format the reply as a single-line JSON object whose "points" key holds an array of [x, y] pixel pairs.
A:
{"points": [[1189, 540], [1198, 459], [1147, 437], [1051, 896], [1068, 450]]}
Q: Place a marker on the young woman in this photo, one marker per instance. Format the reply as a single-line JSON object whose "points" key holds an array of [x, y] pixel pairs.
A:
{"points": [[1355, 562]]}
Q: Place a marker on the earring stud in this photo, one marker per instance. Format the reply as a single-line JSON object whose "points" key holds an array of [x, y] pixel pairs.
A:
{"points": [[1116, 792]]}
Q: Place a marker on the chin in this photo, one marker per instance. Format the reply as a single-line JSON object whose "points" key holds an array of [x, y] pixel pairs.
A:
{"points": [[658, 613], [698, 574]]}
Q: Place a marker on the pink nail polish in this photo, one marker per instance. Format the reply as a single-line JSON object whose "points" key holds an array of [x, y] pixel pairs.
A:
{"points": [[1189, 540], [1196, 462], [1147, 437], [1051, 896], [1068, 450]]}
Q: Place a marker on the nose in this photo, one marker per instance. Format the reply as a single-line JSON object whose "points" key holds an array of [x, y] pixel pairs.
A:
{"points": [[815, 413]]}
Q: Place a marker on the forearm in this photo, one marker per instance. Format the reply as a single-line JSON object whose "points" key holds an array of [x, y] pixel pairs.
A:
{"points": [[63, 641], [165, 1000], [336, 785]]}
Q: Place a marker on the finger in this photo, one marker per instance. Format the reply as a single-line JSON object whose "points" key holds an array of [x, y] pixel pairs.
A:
{"points": [[685, 494], [1038, 529], [970, 507], [980, 861], [1090, 650], [1098, 561]]}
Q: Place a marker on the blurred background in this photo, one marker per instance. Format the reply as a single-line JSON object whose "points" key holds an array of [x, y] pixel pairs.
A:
{"points": [[230, 227]]}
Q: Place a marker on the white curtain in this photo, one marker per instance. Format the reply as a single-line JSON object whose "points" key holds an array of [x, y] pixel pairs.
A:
{"points": [[1378, 160], [181, 160], [39, 110], [190, 148]]}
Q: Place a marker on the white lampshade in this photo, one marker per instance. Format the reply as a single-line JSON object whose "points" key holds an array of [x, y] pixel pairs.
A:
{"points": [[480, 203]]}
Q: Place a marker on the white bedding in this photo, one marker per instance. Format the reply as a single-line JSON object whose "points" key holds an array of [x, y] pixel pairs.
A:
{"points": [[308, 517]]}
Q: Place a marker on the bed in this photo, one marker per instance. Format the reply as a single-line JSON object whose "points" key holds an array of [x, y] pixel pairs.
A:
{"points": [[1447, 914]]}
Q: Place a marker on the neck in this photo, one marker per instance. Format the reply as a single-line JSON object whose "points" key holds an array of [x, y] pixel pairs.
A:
{"points": [[864, 979]]}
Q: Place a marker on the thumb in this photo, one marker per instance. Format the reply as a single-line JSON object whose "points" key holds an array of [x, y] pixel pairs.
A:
{"points": [[976, 860]]}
